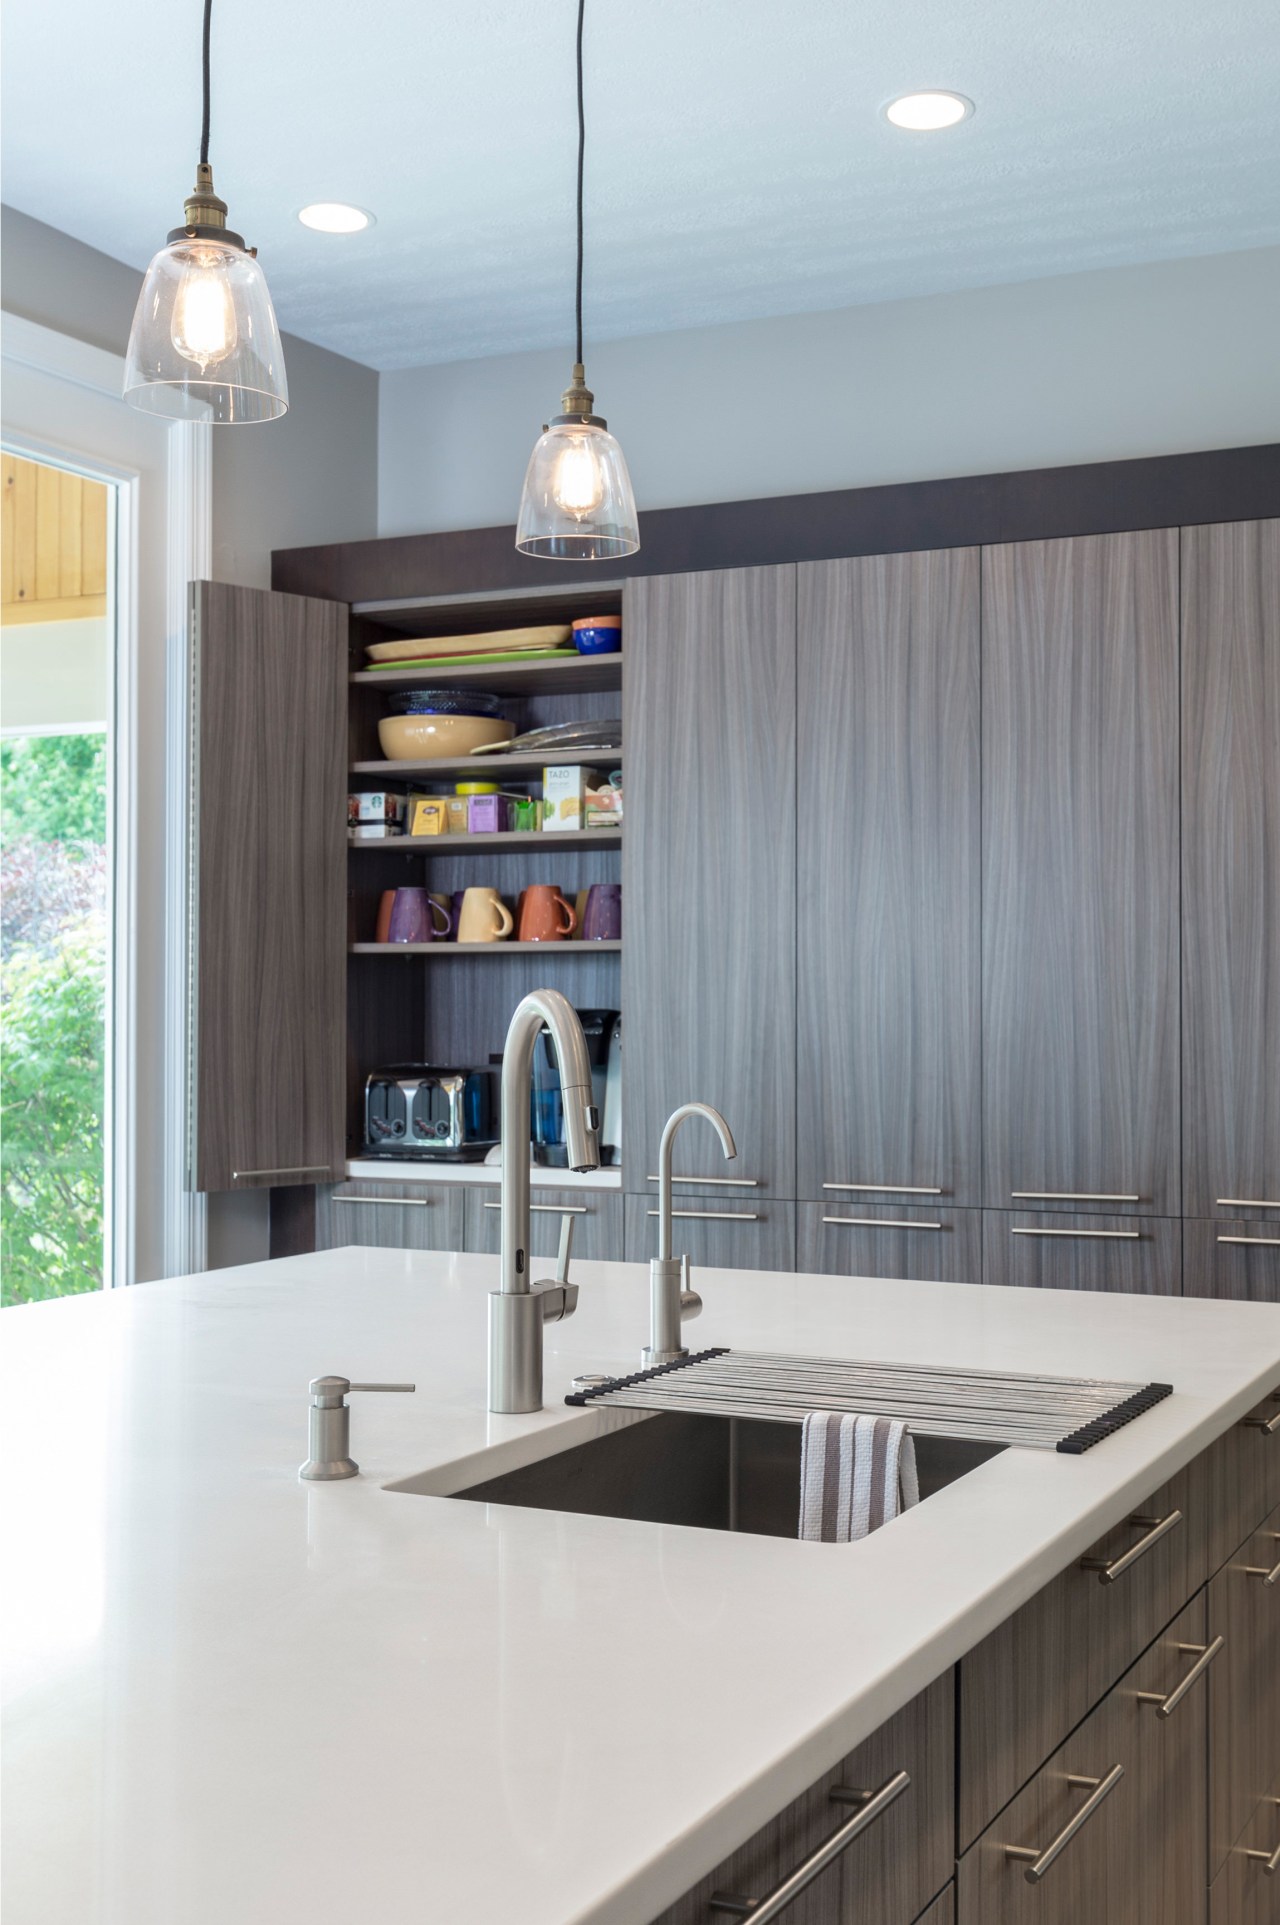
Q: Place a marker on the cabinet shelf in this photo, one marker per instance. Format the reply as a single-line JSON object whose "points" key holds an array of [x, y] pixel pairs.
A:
{"points": [[546, 841], [521, 766], [442, 951], [575, 675]]}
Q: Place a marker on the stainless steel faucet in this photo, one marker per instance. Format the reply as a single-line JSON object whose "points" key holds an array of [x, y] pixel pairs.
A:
{"points": [[517, 1311], [670, 1298]]}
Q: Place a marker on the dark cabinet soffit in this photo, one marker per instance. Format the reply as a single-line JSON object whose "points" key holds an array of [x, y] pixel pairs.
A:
{"points": [[1161, 491]]}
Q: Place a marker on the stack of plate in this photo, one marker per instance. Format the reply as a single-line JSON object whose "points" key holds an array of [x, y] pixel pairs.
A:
{"points": [[467, 651]]}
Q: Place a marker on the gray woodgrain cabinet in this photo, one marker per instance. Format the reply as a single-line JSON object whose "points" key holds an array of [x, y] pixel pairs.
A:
{"points": [[1047, 1250], [391, 1216], [1244, 1728], [887, 897], [897, 1863], [731, 1233], [708, 865], [1080, 826], [1139, 1854], [1243, 1893], [269, 1009], [857, 1239], [597, 1222], [1237, 1258], [1231, 870]]}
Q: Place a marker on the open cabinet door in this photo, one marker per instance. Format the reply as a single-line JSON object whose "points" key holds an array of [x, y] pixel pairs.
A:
{"points": [[269, 848]]}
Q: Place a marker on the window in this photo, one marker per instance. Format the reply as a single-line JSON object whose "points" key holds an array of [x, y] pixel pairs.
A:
{"points": [[57, 687]]}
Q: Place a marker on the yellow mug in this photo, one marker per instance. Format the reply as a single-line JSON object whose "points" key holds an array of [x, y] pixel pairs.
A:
{"points": [[484, 917]]}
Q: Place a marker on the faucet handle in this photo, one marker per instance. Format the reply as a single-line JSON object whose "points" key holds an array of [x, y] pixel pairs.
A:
{"points": [[566, 1248], [690, 1301]]}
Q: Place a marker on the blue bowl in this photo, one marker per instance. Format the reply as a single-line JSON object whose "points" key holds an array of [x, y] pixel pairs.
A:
{"points": [[597, 641]]}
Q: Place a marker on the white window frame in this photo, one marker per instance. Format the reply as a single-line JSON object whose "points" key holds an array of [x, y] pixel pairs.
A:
{"points": [[62, 404]]}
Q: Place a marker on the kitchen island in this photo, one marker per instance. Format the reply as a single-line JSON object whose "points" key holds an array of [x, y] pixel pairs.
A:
{"points": [[232, 1694]]}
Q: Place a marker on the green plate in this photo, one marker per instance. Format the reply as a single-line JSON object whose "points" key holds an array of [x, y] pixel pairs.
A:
{"points": [[439, 663]]}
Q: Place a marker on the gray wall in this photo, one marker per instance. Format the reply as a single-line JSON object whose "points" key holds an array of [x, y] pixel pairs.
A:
{"points": [[1086, 367], [311, 477]]}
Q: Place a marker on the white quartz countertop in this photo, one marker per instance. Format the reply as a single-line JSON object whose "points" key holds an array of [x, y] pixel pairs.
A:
{"points": [[234, 1696], [385, 1169]]}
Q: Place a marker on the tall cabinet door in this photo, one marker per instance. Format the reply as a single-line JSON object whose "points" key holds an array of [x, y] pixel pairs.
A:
{"points": [[269, 934], [1080, 873], [709, 856], [887, 896], [1231, 872]]}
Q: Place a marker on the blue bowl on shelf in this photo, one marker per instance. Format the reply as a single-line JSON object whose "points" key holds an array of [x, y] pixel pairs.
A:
{"points": [[599, 636], [446, 701]]}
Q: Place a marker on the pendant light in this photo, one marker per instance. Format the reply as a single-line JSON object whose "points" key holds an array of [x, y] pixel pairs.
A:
{"points": [[204, 344], [577, 503]]}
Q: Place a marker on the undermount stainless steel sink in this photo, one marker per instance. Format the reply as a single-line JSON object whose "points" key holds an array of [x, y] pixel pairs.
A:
{"points": [[714, 1473]]}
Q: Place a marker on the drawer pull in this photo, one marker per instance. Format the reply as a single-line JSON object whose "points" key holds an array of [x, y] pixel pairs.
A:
{"points": [[1270, 1859], [1098, 1789], [882, 1223], [1153, 1529], [550, 1209], [1246, 1203], [716, 1216], [390, 1202], [871, 1804], [1072, 1196], [298, 1169], [1260, 1570], [1272, 1243], [1104, 1236], [1267, 1425], [1204, 1655], [892, 1189], [717, 1182]]}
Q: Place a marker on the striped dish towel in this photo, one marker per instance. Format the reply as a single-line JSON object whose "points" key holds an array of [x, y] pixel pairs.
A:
{"points": [[855, 1474]]}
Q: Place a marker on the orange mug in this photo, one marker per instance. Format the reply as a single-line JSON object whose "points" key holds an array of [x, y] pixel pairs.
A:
{"points": [[382, 932], [545, 916]]}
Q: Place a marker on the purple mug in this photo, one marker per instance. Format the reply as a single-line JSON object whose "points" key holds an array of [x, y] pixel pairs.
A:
{"points": [[413, 918], [602, 918]]}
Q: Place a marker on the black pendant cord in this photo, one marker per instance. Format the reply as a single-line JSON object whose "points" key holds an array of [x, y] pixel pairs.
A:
{"points": [[204, 72], [582, 144]]}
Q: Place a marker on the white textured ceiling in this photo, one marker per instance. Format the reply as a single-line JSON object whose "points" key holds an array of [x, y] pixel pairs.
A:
{"points": [[737, 161]]}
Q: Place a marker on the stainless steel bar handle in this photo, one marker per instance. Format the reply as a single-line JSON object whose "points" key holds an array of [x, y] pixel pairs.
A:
{"points": [[391, 1202], [1103, 1236], [550, 1209], [882, 1223], [759, 1911], [1246, 1203], [1098, 1789], [716, 1216], [716, 1182], [1205, 1655], [1267, 1425], [1271, 1242], [298, 1169], [890, 1189], [1072, 1196], [1270, 1859], [1260, 1570], [1153, 1529]]}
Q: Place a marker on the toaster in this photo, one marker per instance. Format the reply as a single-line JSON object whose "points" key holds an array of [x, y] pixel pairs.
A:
{"points": [[426, 1110]]}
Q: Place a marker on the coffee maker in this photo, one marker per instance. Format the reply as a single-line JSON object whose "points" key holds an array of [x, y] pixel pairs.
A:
{"points": [[547, 1109]]}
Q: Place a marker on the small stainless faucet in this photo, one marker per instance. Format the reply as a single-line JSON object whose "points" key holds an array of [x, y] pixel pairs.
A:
{"points": [[518, 1311], [670, 1298]]}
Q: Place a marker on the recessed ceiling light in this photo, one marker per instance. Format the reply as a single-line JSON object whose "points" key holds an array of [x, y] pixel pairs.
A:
{"points": [[926, 113], [334, 217]]}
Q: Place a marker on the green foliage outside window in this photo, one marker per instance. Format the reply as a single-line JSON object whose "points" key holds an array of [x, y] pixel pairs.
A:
{"points": [[52, 1014]]}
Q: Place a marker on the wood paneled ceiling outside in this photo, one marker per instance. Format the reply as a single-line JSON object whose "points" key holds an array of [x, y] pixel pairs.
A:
{"points": [[53, 544]]}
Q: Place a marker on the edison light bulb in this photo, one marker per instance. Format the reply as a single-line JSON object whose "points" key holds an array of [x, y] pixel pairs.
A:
{"points": [[578, 485], [204, 315]]}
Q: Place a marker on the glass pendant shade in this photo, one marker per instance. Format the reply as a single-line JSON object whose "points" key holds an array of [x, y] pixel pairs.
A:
{"points": [[578, 503], [205, 345]]}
